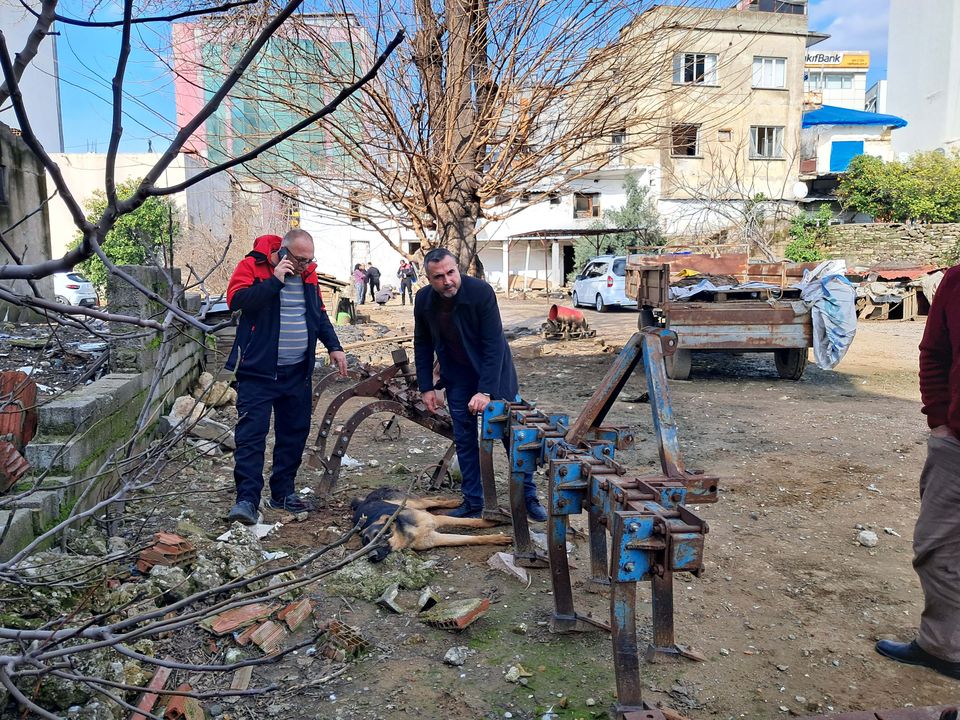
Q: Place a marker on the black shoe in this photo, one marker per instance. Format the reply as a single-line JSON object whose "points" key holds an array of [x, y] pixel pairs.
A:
{"points": [[465, 511], [243, 512], [535, 510], [912, 654], [291, 503]]}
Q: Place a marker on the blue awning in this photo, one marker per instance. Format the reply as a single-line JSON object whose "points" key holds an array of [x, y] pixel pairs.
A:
{"points": [[831, 115]]}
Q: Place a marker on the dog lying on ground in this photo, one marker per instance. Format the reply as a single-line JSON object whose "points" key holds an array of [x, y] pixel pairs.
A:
{"points": [[414, 527]]}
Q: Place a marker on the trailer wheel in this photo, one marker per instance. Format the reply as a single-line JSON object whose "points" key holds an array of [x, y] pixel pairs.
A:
{"points": [[679, 364], [791, 362]]}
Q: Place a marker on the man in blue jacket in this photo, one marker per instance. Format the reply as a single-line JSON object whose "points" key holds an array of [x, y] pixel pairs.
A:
{"points": [[282, 316], [457, 318]]}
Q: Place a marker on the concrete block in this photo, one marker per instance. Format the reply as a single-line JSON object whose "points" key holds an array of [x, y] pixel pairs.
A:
{"points": [[84, 406], [45, 505], [18, 534]]}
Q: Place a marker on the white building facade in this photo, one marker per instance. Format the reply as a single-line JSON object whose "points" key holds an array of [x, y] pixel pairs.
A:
{"points": [[40, 83], [923, 74], [205, 209], [838, 77]]}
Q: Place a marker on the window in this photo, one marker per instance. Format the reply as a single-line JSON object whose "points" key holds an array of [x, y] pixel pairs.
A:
{"points": [[554, 199], [586, 205], [620, 267], [769, 72], [695, 69], [686, 141], [618, 137], [813, 81], [724, 135], [766, 142], [837, 82]]}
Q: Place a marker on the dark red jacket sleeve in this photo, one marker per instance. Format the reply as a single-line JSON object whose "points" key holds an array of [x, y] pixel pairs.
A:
{"points": [[936, 353]]}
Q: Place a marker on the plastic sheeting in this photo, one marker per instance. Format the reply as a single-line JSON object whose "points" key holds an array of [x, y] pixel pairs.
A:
{"points": [[833, 309], [686, 291]]}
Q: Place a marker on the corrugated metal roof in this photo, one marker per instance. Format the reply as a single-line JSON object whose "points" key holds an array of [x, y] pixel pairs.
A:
{"points": [[831, 115]]}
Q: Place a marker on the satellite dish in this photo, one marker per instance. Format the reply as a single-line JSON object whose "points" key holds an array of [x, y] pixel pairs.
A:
{"points": [[800, 190]]}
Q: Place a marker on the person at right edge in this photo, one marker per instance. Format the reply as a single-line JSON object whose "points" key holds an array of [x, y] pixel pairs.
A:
{"points": [[936, 537], [456, 317]]}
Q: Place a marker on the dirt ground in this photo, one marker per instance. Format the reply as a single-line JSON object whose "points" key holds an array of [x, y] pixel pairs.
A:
{"points": [[790, 604]]}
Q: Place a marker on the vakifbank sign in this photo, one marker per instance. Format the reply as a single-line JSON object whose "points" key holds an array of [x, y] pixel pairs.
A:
{"points": [[859, 60]]}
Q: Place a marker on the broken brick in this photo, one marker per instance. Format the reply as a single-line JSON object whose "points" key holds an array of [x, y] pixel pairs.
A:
{"points": [[236, 618], [295, 613], [168, 549], [455, 614], [149, 698], [346, 638], [269, 637], [182, 707], [244, 637]]}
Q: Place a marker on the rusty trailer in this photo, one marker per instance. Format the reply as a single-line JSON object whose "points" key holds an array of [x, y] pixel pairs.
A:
{"points": [[771, 319]]}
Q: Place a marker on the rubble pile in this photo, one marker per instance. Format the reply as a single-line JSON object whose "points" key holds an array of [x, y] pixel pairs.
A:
{"points": [[55, 361]]}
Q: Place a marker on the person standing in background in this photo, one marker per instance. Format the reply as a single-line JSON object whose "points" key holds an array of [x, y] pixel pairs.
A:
{"points": [[407, 275], [373, 279], [360, 283], [936, 537]]}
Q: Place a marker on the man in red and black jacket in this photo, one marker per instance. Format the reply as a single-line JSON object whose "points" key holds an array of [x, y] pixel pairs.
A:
{"points": [[936, 537], [282, 316]]}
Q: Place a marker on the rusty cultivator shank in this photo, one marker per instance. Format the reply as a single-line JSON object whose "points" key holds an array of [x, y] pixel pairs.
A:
{"points": [[640, 528], [643, 520]]}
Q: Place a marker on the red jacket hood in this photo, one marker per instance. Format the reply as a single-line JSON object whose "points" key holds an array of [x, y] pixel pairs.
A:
{"points": [[265, 245]]}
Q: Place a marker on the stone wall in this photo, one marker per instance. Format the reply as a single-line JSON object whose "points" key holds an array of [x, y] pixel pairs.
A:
{"points": [[79, 429], [873, 243]]}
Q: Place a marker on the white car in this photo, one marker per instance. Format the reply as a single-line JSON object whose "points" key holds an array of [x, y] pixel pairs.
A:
{"points": [[601, 284], [72, 288]]}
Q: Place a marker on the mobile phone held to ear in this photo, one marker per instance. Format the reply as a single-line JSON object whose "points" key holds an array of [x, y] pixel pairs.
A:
{"points": [[281, 254]]}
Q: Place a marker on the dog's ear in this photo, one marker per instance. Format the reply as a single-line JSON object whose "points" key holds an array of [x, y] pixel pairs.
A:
{"points": [[355, 503]]}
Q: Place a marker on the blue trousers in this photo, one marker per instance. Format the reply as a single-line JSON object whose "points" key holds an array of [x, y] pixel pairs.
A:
{"points": [[289, 400], [466, 436]]}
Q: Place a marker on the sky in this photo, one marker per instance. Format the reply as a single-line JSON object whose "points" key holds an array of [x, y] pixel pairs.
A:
{"points": [[87, 59], [854, 25]]}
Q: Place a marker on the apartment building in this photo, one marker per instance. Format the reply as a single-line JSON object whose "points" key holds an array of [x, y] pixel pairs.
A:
{"points": [[714, 136], [729, 137]]}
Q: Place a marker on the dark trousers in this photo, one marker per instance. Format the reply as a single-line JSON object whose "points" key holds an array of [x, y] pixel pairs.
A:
{"points": [[374, 285], [459, 390], [936, 549], [288, 398], [406, 288]]}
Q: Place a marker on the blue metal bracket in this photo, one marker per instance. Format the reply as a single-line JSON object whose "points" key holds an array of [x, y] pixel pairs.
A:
{"points": [[569, 487], [636, 557]]}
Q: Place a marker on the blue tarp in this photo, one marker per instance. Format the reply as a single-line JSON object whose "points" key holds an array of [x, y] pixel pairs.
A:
{"points": [[830, 115]]}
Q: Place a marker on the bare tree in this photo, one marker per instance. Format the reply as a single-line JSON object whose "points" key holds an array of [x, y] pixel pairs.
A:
{"points": [[738, 201], [494, 100]]}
